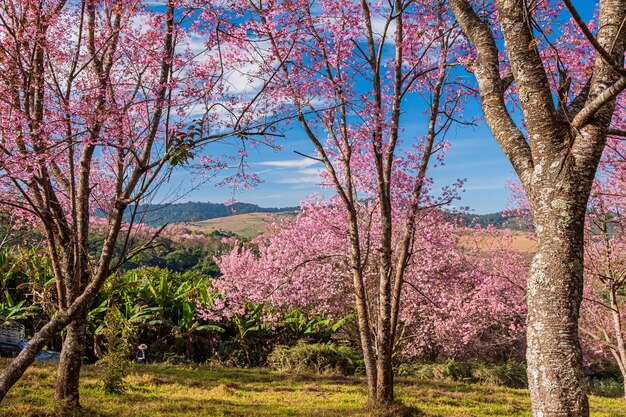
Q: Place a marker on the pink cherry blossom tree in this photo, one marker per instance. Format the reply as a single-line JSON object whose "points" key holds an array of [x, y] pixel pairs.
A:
{"points": [[100, 101], [566, 77], [604, 308], [346, 70], [465, 295]]}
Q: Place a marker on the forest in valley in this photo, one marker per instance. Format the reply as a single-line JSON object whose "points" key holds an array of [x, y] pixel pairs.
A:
{"points": [[383, 292]]}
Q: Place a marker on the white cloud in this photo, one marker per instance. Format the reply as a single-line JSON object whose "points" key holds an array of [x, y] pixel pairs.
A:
{"points": [[304, 179], [378, 27], [309, 171], [291, 163]]}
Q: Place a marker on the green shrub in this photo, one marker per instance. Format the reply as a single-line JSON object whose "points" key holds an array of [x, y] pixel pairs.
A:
{"points": [[508, 374], [320, 358], [607, 387], [115, 362], [448, 371]]}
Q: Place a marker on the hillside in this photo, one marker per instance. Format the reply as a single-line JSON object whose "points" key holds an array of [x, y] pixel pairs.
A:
{"points": [[245, 225], [156, 215], [501, 219]]}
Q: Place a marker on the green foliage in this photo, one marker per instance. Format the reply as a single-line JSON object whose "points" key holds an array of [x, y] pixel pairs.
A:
{"points": [[117, 332], [158, 297], [22, 269], [507, 374], [320, 358], [317, 328], [9, 310], [161, 306], [183, 256], [249, 345], [610, 388]]}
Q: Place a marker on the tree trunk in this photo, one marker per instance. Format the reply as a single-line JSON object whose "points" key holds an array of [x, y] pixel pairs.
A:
{"points": [[384, 341], [16, 368], [620, 354], [555, 377], [68, 372], [362, 309]]}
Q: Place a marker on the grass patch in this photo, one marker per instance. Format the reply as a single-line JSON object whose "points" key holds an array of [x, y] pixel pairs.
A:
{"points": [[185, 391]]}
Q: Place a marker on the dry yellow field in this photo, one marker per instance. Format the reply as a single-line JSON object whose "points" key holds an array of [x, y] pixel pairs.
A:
{"points": [[521, 242], [245, 225]]}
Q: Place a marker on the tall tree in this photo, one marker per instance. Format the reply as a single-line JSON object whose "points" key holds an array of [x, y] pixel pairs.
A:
{"points": [[346, 70], [567, 109], [462, 299], [96, 100], [603, 317]]}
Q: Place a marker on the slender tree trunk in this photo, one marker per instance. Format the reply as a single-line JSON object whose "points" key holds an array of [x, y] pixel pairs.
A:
{"points": [[384, 341], [16, 368], [620, 354], [367, 342], [67, 395], [555, 377]]}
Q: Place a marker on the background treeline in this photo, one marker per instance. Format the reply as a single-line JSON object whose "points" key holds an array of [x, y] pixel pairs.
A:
{"points": [[193, 211]]}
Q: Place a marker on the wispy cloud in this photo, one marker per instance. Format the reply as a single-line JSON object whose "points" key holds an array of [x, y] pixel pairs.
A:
{"points": [[309, 171], [303, 179], [290, 163]]}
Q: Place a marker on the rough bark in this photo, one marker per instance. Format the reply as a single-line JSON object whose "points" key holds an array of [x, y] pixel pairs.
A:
{"points": [[367, 342], [67, 396], [556, 162], [555, 377]]}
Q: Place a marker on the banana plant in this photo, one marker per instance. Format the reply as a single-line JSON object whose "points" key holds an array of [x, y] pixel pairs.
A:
{"points": [[317, 326], [9, 310], [251, 321], [158, 298]]}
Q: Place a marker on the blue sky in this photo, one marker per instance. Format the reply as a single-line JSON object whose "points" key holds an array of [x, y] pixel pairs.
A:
{"points": [[288, 178]]}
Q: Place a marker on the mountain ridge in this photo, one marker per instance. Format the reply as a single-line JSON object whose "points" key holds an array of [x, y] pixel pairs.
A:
{"points": [[156, 215]]}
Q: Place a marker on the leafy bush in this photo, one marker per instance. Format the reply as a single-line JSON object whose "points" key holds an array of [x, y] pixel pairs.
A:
{"points": [[116, 363], [612, 388], [320, 358], [508, 374]]}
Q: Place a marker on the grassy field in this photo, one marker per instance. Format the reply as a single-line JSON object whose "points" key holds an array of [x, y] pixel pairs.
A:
{"points": [[246, 225], [176, 391], [521, 242]]}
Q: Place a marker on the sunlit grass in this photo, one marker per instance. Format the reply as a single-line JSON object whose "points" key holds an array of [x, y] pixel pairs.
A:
{"points": [[160, 391]]}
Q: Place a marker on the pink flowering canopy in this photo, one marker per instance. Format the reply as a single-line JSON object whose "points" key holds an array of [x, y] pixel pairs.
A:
{"points": [[461, 300], [121, 120]]}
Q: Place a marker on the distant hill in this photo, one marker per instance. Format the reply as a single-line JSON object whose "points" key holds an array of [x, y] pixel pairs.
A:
{"points": [[247, 225], [501, 219], [253, 224], [159, 214], [193, 212]]}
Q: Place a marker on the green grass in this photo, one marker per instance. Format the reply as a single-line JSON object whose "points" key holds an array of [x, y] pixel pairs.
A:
{"points": [[177, 391]]}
